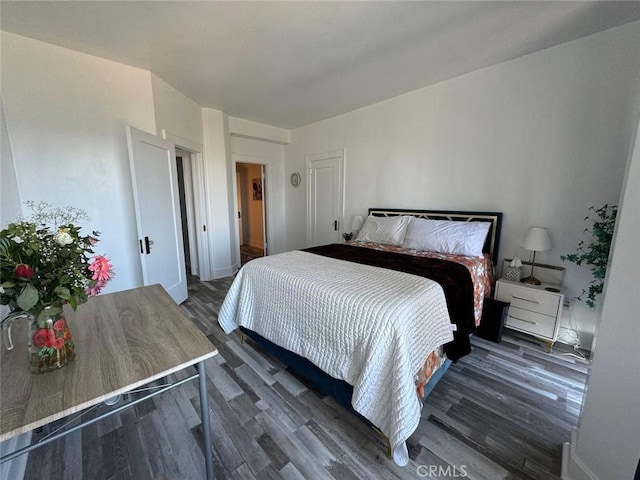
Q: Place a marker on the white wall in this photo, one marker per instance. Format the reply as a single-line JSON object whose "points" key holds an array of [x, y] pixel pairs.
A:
{"points": [[66, 114], [174, 112], [217, 172], [240, 127], [608, 437], [540, 138]]}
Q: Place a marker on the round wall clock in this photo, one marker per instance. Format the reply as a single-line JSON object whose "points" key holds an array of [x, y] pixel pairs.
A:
{"points": [[295, 179]]}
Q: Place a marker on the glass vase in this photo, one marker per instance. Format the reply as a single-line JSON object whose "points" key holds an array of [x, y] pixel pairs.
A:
{"points": [[50, 343]]}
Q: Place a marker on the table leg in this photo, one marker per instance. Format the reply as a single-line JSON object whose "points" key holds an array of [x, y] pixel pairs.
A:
{"points": [[204, 414]]}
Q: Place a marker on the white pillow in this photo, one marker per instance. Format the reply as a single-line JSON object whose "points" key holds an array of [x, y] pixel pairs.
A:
{"points": [[387, 230], [446, 236]]}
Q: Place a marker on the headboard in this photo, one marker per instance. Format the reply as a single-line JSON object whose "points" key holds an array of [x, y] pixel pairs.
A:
{"points": [[491, 244]]}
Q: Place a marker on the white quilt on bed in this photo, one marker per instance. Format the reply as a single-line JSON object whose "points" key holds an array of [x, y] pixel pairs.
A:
{"points": [[368, 326]]}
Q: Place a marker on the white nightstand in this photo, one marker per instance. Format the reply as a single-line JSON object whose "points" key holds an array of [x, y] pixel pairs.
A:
{"points": [[535, 309]]}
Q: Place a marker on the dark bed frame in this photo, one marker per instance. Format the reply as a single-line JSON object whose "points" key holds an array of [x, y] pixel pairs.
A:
{"points": [[340, 390]]}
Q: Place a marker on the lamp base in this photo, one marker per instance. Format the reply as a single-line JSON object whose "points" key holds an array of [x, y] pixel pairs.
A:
{"points": [[531, 280]]}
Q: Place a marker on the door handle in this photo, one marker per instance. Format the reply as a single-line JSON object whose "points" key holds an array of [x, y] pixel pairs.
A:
{"points": [[335, 225], [523, 320], [147, 244], [524, 299]]}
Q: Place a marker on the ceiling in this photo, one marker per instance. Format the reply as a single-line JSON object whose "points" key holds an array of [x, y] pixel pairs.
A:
{"points": [[289, 64]]}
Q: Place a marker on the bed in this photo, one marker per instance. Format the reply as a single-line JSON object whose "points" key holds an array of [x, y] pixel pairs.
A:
{"points": [[373, 322]]}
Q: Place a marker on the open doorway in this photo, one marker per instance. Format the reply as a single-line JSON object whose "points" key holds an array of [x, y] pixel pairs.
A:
{"points": [[187, 211], [251, 211], [193, 206]]}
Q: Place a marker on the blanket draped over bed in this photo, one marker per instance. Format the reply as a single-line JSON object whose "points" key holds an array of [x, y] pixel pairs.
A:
{"points": [[371, 327], [454, 279]]}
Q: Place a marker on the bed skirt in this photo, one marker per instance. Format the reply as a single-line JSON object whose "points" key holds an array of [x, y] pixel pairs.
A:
{"points": [[340, 390]]}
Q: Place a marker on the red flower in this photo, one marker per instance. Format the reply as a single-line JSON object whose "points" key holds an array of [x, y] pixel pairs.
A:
{"points": [[60, 325], [57, 343], [43, 338], [24, 271]]}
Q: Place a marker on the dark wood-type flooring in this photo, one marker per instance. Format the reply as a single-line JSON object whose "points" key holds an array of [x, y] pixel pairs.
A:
{"points": [[248, 253], [502, 412]]}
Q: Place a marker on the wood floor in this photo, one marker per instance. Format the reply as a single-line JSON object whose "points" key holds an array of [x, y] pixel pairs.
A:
{"points": [[502, 412], [248, 253]]}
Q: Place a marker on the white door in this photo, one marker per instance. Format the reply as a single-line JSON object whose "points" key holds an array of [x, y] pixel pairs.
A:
{"points": [[325, 200], [157, 204]]}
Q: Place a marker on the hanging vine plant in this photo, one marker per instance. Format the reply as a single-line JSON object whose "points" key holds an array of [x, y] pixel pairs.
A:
{"points": [[594, 251]]}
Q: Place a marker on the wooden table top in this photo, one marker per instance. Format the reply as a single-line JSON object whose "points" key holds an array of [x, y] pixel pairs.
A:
{"points": [[123, 340]]}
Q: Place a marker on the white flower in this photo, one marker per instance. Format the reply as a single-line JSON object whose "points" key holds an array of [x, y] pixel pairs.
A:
{"points": [[62, 238]]}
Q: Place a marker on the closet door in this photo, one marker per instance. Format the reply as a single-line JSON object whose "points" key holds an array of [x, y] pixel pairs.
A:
{"points": [[325, 198]]}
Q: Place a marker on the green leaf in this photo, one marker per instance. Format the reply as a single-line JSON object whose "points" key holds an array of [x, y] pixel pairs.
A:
{"points": [[8, 284], [45, 352], [63, 292], [48, 312], [594, 252], [28, 298]]}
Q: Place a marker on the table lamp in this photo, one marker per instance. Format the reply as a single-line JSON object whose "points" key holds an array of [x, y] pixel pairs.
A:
{"points": [[537, 240]]}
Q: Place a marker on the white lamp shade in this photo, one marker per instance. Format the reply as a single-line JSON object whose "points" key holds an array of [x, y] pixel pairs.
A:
{"points": [[537, 240], [356, 223]]}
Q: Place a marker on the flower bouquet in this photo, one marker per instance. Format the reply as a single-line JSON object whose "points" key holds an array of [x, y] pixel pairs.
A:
{"points": [[45, 263]]}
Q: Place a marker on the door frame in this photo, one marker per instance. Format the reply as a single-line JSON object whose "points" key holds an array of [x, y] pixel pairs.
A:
{"points": [[239, 211], [341, 155], [268, 166], [197, 230], [263, 180]]}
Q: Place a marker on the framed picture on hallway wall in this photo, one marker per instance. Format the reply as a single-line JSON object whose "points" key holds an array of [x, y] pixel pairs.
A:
{"points": [[257, 189]]}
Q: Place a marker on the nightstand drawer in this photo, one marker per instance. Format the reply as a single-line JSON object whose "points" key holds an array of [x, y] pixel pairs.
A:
{"points": [[531, 322], [538, 301]]}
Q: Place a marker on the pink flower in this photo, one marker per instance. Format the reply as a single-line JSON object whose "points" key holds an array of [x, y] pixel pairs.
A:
{"points": [[42, 337], [101, 268], [95, 289], [57, 343], [60, 325]]}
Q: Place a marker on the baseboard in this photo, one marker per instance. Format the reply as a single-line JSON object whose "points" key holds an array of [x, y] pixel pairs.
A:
{"points": [[572, 468], [225, 272]]}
